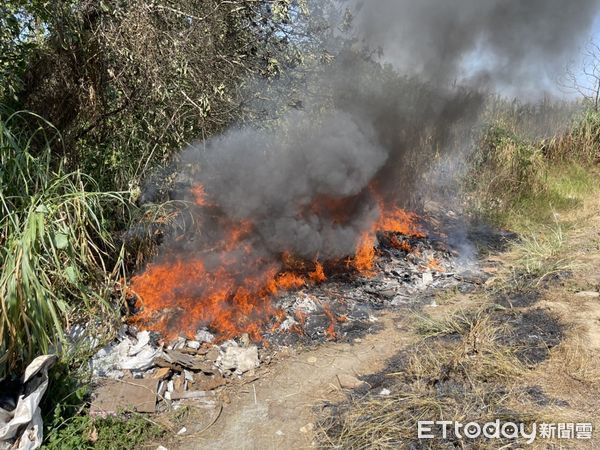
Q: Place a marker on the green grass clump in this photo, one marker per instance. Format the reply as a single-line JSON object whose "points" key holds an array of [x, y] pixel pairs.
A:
{"points": [[55, 245], [110, 433]]}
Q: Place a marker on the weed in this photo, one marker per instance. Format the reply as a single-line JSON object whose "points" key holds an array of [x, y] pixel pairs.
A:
{"points": [[109, 433]]}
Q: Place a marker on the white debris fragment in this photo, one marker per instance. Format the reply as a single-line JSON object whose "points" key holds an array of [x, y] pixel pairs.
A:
{"points": [[204, 336], [427, 278], [239, 359], [79, 335], [24, 423], [385, 392], [142, 361], [399, 300], [182, 431], [143, 339], [193, 344], [287, 324], [136, 354], [306, 304], [177, 344]]}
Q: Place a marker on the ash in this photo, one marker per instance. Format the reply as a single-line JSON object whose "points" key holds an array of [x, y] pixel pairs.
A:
{"points": [[345, 306]]}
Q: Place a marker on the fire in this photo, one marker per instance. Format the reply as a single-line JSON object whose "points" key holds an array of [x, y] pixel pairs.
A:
{"points": [[317, 275], [228, 285], [400, 244], [435, 264], [330, 331], [399, 221], [286, 281], [199, 195], [395, 220], [365, 254]]}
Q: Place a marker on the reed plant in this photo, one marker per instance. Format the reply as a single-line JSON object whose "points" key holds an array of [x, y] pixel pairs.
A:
{"points": [[57, 254]]}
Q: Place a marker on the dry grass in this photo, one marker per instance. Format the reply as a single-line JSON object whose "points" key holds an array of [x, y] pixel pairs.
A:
{"points": [[472, 377]]}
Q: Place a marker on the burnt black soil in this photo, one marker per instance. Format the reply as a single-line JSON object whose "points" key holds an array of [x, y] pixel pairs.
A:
{"points": [[490, 239], [532, 333], [520, 298]]}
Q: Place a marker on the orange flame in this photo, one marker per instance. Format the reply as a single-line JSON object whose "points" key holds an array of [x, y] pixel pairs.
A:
{"points": [[228, 287], [330, 331], [317, 275], [364, 259], [434, 264], [199, 195]]}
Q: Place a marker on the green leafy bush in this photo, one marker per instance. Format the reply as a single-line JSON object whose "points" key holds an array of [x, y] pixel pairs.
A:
{"points": [[54, 244]]}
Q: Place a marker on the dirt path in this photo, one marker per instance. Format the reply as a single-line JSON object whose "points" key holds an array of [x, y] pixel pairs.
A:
{"points": [[277, 410]]}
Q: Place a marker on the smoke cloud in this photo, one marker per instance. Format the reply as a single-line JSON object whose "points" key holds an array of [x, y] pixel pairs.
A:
{"points": [[520, 45], [314, 183]]}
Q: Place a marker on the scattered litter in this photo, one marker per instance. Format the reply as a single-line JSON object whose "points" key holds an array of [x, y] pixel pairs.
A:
{"points": [[161, 373], [385, 392], [131, 353], [113, 396], [182, 431], [239, 359], [178, 361], [21, 428], [193, 344], [204, 336], [427, 278]]}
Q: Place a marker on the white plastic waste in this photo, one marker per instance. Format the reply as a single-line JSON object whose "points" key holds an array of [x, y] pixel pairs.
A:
{"points": [[22, 428]]}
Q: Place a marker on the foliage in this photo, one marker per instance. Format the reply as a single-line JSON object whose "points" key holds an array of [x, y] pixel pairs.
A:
{"points": [[520, 175], [581, 144], [110, 433], [56, 249], [21, 33], [128, 83], [508, 168]]}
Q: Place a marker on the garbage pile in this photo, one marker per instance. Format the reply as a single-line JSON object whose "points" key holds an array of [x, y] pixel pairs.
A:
{"points": [[142, 373]]}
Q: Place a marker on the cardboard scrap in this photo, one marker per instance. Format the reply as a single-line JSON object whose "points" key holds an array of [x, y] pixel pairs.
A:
{"points": [[126, 394]]}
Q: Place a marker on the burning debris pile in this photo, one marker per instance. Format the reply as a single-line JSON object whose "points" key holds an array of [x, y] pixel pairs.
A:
{"points": [[230, 283], [335, 300]]}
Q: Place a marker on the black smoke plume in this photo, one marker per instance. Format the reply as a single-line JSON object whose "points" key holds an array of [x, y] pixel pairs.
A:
{"points": [[372, 124]]}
